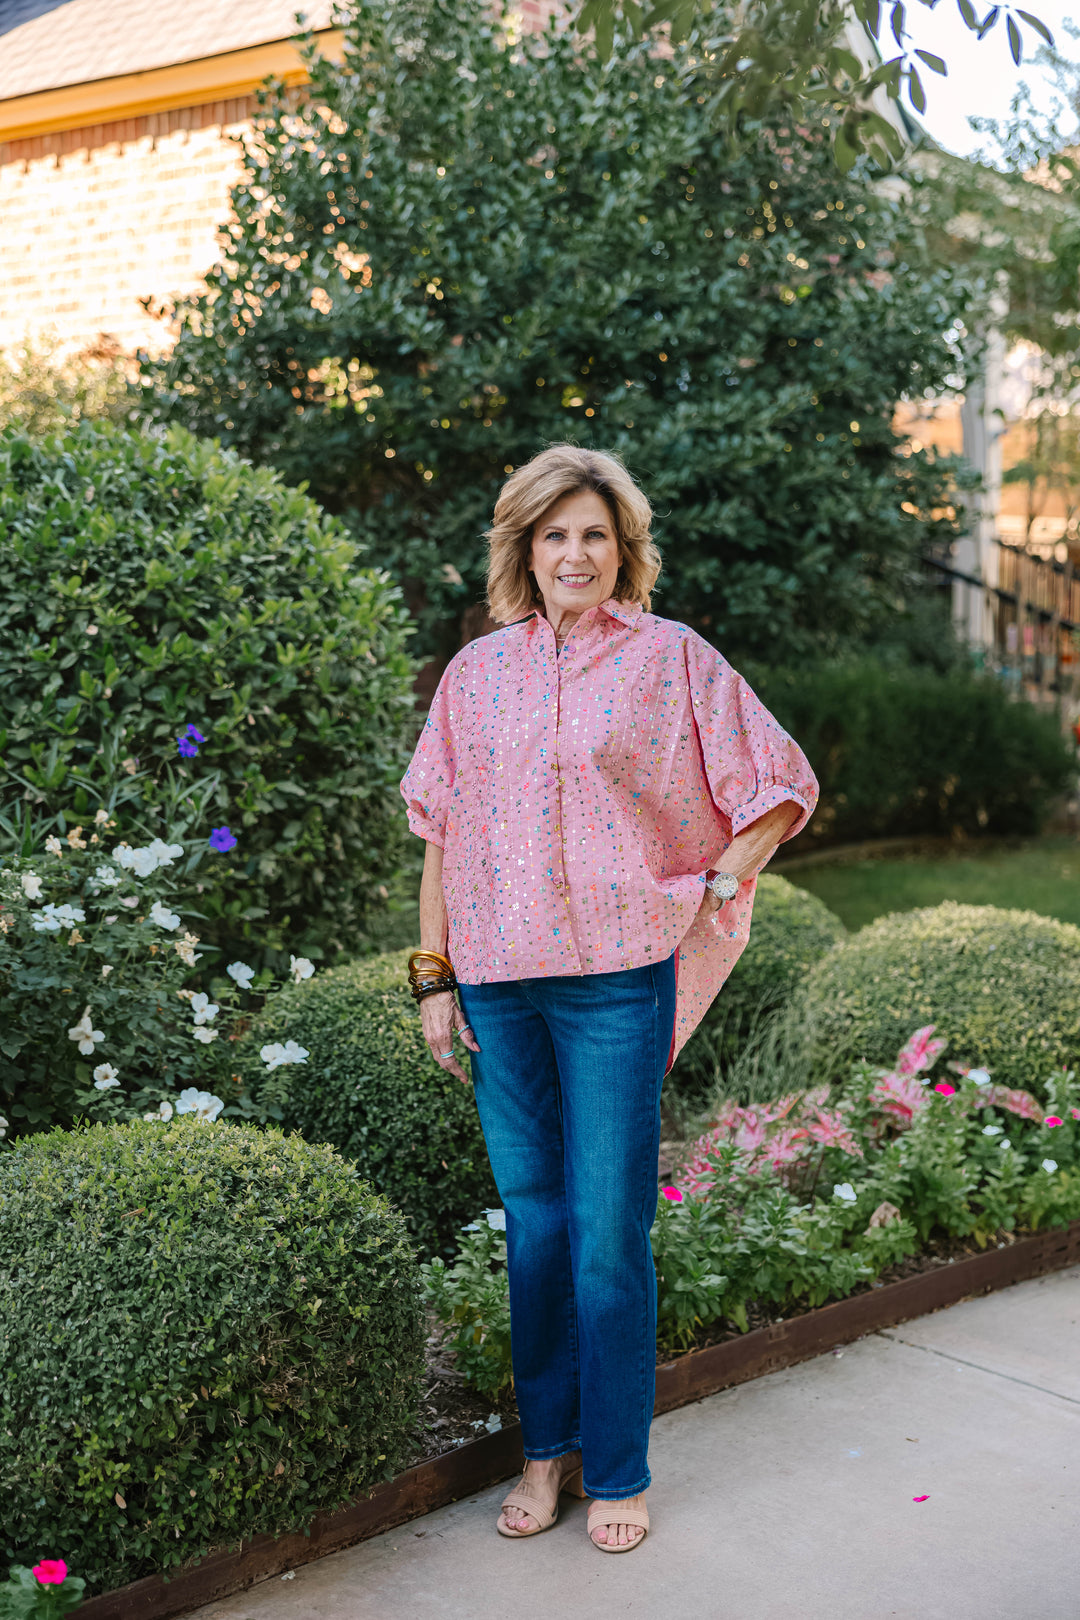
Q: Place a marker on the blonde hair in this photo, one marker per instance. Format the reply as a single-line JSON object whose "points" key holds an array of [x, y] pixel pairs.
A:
{"points": [[561, 470]]}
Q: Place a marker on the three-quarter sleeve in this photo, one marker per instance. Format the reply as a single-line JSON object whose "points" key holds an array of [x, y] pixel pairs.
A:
{"points": [[751, 763], [428, 784]]}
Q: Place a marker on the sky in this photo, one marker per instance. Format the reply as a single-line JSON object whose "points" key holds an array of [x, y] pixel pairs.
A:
{"points": [[982, 77]]}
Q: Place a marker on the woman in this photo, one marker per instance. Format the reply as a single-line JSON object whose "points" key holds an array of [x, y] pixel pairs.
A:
{"points": [[584, 776]]}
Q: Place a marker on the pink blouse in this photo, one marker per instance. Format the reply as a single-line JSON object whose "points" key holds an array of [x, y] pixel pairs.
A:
{"points": [[581, 798]]}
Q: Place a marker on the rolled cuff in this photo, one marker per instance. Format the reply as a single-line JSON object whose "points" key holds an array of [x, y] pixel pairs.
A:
{"points": [[767, 798], [422, 825]]}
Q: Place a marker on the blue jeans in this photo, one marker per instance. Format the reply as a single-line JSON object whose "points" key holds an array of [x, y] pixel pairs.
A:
{"points": [[568, 1085]]}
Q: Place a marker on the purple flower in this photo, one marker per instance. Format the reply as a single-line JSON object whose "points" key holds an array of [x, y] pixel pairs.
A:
{"points": [[221, 839], [187, 749], [194, 735]]}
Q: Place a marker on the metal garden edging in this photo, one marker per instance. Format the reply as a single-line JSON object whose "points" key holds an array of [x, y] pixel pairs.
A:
{"points": [[480, 1463]]}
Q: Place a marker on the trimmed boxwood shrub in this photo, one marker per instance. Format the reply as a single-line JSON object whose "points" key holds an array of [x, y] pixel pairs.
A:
{"points": [[789, 932], [372, 1089], [1003, 987], [208, 1331], [150, 582], [902, 750]]}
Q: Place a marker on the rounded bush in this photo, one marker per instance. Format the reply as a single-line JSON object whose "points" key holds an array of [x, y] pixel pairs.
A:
{"points": [[789, 932], [208, 1331], [371, 1088], [150, 582], [1003, 988]]}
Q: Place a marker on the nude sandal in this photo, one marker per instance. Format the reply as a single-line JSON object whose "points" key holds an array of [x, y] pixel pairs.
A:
{"points": [[599, 1514], [543, 1509]]}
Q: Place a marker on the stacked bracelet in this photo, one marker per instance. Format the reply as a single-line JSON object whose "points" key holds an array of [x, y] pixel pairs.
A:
{"points": [[430, 973]]}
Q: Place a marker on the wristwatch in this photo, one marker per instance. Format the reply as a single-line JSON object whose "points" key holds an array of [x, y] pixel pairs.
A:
{"points": [[725, 885]]}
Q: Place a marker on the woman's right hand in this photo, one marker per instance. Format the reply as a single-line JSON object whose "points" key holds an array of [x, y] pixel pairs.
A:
{"points": [[441, 1019]]}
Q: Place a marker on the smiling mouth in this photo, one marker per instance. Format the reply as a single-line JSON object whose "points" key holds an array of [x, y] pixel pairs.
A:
{"points": [[575, 579]]}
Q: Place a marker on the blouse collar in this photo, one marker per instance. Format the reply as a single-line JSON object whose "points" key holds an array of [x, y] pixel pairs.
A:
{"points": [[626, 612]]}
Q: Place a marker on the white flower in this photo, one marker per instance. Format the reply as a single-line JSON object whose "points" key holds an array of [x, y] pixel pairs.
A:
{"points": [[992, 1130], [203, 1008], [50, 919], [100, 818], [163, 853], [845, 1191], [185, 949], [3, 1127], [106, 877], [1004, 1143], [1049, 1165], [981, 1077], [205, 1035], [140, 861], [163, 916], [106, 1077], [241, 973], [200, 1103], [106, 969], [275, 1054], [85, 1033], [163, 1111], [129, 900], [496, 1219], [300, 968], [31, 885], [54, 846]]}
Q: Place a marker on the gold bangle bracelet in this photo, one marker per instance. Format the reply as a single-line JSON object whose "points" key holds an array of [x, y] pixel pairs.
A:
{"points": [[443, 962]]}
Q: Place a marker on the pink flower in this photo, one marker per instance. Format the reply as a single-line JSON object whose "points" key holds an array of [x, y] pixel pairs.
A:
{"points": [[50, 1572], [1052, 1120], [1075, 1112], [946, 1090], [920, 1498], [673, 1195]]}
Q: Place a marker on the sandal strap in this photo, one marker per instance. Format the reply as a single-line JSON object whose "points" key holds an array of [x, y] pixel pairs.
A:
{"points": [[534, 1505], [614, 1514]]}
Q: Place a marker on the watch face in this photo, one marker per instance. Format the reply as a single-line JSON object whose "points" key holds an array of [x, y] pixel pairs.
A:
{"points": [[725, 885]]}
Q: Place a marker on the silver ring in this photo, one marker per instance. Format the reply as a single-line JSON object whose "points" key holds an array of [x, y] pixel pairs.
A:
{"points": [[447, 1054]]}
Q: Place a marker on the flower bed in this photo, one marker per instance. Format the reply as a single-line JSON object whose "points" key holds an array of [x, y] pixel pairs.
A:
{"points": [[782, 1206]]}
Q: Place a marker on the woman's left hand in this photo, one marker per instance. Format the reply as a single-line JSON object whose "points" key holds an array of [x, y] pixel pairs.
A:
{"points": [[710, 902]]}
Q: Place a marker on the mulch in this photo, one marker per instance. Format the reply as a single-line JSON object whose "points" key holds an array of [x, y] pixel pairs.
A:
{"points": [[451, 1412]]}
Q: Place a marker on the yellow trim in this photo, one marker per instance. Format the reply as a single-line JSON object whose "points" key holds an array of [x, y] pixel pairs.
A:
{"points": [[133, 95]]}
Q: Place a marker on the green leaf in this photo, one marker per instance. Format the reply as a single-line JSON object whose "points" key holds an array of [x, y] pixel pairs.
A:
{"points": [[1015, 42], [1039, 27], [916, 91], [934, 63]]}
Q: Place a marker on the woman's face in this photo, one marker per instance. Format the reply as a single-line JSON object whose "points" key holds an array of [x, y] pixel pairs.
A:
{"points": [[575, 554]]}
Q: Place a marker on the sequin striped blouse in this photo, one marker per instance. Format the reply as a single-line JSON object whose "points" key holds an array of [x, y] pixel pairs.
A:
{"points": [[580, 798]]}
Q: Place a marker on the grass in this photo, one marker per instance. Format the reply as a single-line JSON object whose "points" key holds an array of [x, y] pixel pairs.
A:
{"points": [[1037, 874]]}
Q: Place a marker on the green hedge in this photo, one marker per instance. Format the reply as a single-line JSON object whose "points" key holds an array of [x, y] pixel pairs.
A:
{"points": [[209, 1332], [912, 750], [790, 931], [1003, 987], [372, 1089], [150, 582]]}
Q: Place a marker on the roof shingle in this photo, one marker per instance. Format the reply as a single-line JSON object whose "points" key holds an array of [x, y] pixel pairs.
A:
{"points": [[46, 44]]}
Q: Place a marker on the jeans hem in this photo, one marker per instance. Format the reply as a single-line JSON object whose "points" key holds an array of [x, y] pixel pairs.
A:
{"points": [[542, 1453], [620, 1495]]}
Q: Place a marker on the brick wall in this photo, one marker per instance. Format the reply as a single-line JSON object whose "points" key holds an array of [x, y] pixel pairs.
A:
{"points": [[91, 220]]}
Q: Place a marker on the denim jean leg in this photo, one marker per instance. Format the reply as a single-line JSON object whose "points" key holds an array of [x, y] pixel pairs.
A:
{"points": [[517, 1090], [611, 1034]]}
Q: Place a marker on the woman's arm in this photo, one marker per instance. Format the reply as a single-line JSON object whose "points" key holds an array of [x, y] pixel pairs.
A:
{"points": [[440, 1016], [749, 851]]}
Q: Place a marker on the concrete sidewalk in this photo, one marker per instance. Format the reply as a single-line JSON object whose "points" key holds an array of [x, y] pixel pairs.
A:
{"points": [[791, 1498]]}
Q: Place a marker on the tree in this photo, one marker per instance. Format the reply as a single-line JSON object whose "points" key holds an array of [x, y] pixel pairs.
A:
{"points": [[462, 247], [802, 56]]}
